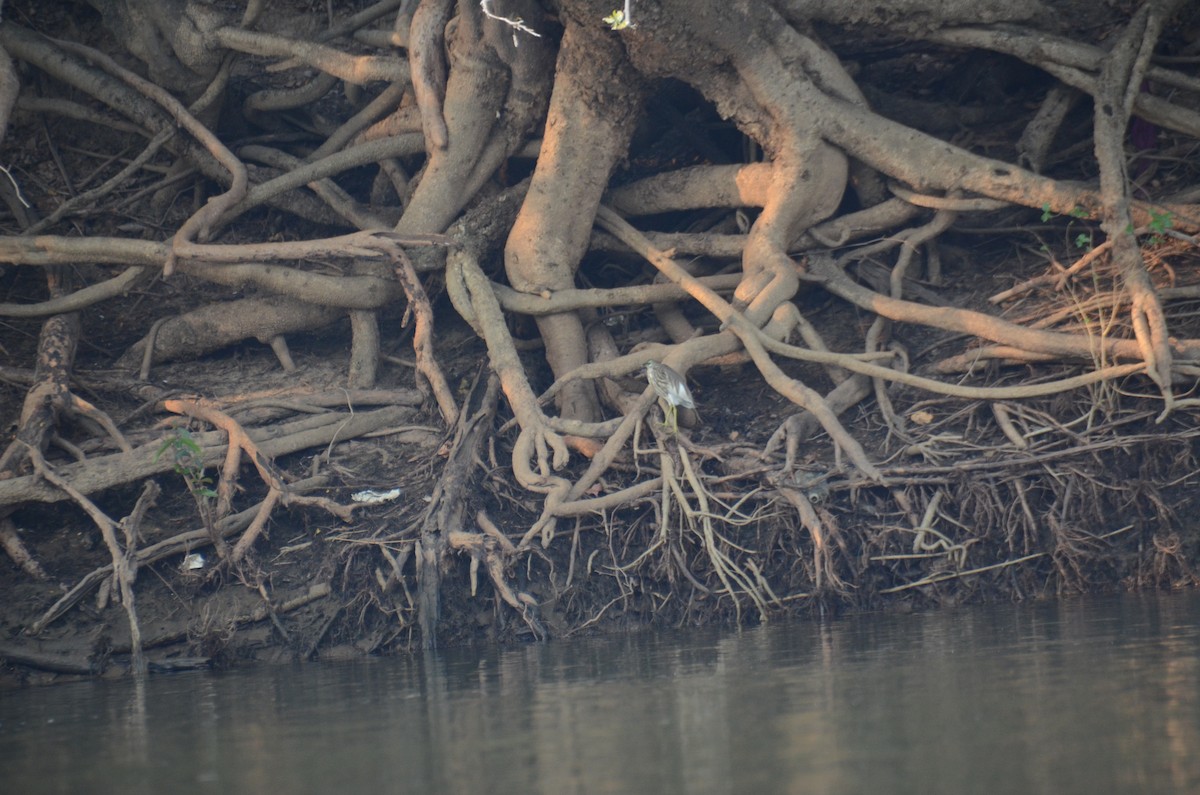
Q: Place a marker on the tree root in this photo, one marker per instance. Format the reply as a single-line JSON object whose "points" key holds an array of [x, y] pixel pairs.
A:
{"points": [[16, 550], [217, 326], [418, 304], [749, 336], [123, 558], [824, 567], [476, 301], [491, 548], [592, 112], [50, 394], [181, 544], [1057, 344], [239, 443], [447, 507], [1119, 83], [199, 225], [740, 141]]}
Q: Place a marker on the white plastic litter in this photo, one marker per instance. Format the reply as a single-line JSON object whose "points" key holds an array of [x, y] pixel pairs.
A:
{"points": [[374, 496]]}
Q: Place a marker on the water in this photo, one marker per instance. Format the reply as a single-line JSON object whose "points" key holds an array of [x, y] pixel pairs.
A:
{"points": [[1087, 696]]}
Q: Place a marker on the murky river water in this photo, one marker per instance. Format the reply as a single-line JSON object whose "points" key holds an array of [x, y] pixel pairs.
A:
{"points": [[1086, 696]]}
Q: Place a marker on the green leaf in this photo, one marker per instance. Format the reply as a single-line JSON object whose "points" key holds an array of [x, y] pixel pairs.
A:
{"points": [[1161, 222]]}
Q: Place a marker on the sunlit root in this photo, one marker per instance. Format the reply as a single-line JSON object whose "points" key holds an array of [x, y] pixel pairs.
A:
{"points": [[749, 337], [590, 120], [427, 364], [537, 441]]}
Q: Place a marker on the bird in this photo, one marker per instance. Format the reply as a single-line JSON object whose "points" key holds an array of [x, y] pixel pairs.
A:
{"points": [[672, 388]]}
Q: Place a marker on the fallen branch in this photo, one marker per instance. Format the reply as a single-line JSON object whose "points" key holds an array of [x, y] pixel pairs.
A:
{"points": [[105, 472], [54, 662]]}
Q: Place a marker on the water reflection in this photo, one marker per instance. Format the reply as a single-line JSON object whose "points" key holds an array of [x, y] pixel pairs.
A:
{"points": [[1077, 696]]}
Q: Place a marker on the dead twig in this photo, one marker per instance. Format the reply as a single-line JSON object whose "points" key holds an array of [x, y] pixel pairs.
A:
{"points": [[123, 560], [942, 576]]}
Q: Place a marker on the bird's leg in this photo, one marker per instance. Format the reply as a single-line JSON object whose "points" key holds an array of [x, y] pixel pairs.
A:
{"points": [[666, 408], [670, 416]]}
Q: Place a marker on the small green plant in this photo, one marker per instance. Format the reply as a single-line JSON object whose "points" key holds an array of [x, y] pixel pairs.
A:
{"points": [[187, 459], [1083, 240], [1159, 224], [1076, 212], [617, 20]]}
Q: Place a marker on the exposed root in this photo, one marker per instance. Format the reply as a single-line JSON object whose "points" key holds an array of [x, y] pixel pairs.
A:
{"points": [[448, 503], [749, 337], [899, 435], [123, 557], [418, 305], [182, 544], [239, 443], [493, 550], [16, 550], [824, 565]]}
